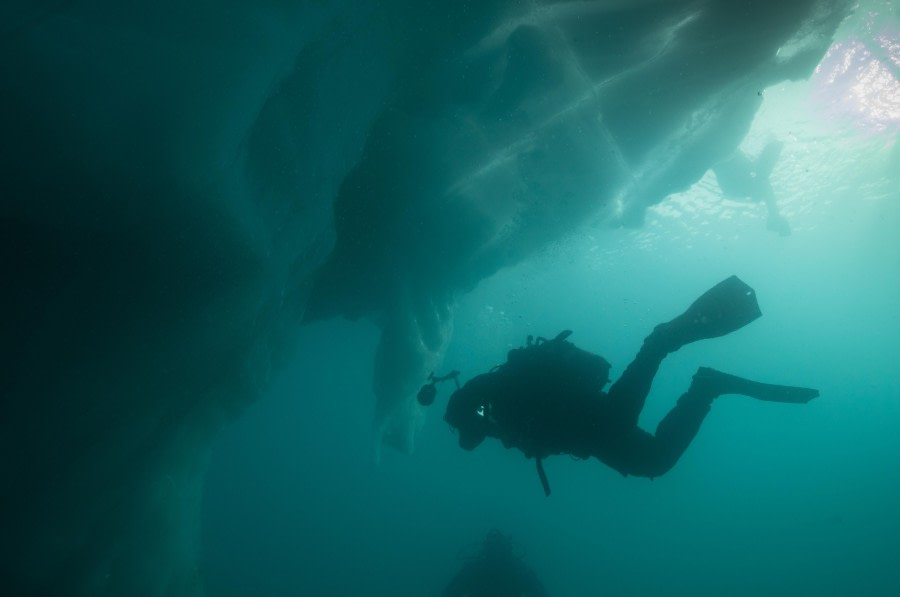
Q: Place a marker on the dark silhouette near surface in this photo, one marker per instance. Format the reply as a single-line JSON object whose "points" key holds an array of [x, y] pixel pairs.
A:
{"points": [[743, 177], [496, 572], [548, 397]]}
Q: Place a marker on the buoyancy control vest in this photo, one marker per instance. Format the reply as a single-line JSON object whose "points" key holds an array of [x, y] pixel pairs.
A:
{"points": [[544, 396], [581, 371]]}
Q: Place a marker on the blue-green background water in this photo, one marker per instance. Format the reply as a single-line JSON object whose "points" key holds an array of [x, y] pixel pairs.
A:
{"points": [[769, 499], [236, 237]]}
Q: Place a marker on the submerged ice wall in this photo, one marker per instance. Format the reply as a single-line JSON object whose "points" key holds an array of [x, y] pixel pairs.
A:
{"points": [[185, 183], [512, 127], [167, 192]]}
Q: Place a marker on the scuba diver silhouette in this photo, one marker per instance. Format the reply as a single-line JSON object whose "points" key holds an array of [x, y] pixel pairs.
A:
{"points": [[548, 397], [495, 572]]}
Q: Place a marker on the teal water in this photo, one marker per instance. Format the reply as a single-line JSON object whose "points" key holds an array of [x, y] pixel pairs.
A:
{"points": [[235, 238], [770, 499]]}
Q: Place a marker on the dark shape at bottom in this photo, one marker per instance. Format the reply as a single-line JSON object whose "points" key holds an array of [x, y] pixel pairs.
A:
{"points": [[495, 572]]}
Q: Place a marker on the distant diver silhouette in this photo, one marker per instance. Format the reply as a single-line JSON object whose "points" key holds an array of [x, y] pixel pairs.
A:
{"points": [[741, 177], [548, 397]]}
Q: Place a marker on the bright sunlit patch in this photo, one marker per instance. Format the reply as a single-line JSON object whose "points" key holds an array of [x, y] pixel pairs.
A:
{"points": [[857, 82]]}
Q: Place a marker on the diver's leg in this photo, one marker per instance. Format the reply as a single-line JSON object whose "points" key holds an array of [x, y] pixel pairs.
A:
{"points": [[724, 308], [641, 454], [636, 452], [628, 394]]}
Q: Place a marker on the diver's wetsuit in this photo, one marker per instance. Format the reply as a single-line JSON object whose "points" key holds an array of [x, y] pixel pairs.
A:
{"points": [[542, 415], [552, 406], [629, 449]]}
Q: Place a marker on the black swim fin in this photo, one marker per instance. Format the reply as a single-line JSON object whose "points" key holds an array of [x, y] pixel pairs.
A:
{"points": [[726, 307], [716, 383]]}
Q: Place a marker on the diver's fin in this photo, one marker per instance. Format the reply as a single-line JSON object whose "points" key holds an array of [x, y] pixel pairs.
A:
{"points": [[726, 307], [719, 384]]}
